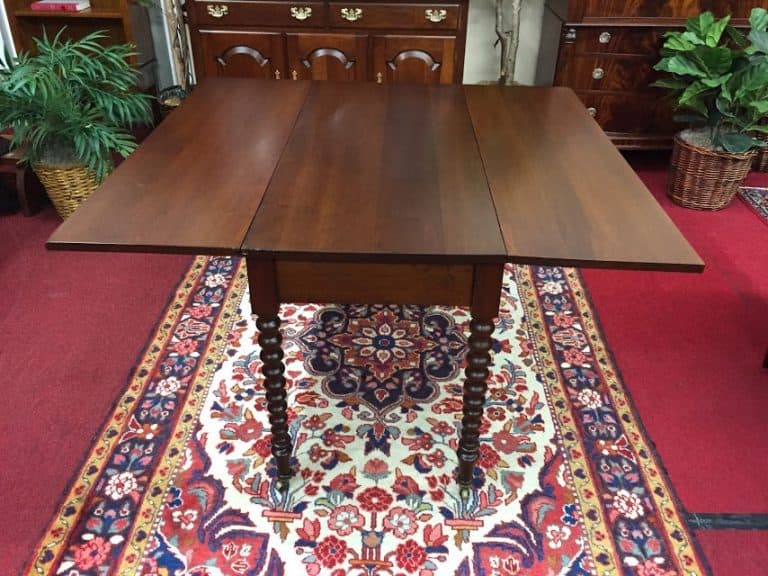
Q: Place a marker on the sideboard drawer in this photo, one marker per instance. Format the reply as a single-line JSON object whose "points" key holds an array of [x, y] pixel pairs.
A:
{"points": [[614, 40], [395, 16], [629, 113], [608, 72], [245, 13]]}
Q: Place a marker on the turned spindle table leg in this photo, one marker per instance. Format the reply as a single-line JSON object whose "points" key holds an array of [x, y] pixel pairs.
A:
{"points": [[486, 292], [273, 368], [266, 306], [475, 386]]}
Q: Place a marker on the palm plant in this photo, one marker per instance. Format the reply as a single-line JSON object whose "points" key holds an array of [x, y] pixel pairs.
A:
{"points": [[73, 102]]}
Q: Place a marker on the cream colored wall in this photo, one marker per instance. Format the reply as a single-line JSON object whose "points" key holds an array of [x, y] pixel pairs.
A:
{"points": [[481, 59]]}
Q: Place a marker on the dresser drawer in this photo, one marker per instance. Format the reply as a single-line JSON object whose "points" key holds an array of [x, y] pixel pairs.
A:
{"points": [[614, 40], [630, 113], [244, 13], [394, 16], [609, 72]]}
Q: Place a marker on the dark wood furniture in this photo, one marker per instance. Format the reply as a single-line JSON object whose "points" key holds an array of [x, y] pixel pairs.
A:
{"points": [[29, 191], [350, 192], [607, 52], [123, 20], [384, 42]]}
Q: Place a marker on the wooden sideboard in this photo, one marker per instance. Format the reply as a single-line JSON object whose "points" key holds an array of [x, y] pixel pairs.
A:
{"points": [[321, 40], [607, 52]]}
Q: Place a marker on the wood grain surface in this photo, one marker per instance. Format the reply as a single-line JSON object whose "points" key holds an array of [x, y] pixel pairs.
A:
{"points": [[378, 173], [373, 173], [563, 193], [195, 183]]}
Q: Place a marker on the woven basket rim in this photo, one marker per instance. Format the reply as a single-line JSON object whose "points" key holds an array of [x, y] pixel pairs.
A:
{"points": [[718, 153], [40, 165]]}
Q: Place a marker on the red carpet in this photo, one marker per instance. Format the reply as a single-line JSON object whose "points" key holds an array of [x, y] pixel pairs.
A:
{"points": [[50, 386], [693, 345], [735, 552], [686, 344]]}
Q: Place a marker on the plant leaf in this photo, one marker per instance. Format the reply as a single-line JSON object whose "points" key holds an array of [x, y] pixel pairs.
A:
{"points": [[691, 119], [717, 81], [737, 36], [737, 143], [760, 106], [715, 31], [715, 61], [691, 96], [759, 39], [700, 25], [671, 83], [682, 65], [758, 19], [693, 38], [677, 42]]}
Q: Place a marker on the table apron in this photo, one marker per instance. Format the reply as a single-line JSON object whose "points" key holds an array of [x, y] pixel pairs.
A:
{"points": [[276, 281]]}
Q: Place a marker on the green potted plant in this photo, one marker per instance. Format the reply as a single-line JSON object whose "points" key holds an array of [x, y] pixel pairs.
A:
{"points": [[719, 78], [70, 107]]}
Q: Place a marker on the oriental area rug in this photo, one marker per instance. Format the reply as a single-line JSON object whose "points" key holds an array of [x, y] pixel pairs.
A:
{"points": [[181, 482], [757, 199]]}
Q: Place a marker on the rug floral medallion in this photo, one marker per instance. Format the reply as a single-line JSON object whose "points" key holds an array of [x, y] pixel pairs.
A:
{"points": [[181, 481]]}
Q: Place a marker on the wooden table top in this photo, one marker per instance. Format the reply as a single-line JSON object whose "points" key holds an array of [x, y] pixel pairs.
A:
{"points": [[377, 173]]}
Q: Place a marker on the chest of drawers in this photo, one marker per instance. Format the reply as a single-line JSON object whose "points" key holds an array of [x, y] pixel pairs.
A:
{"points": [[364, 41], [607, 52]]}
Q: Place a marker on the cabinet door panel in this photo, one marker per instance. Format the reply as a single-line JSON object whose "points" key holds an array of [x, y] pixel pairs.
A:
{"points": [[242, 54], [414, 59], [339, 57]]}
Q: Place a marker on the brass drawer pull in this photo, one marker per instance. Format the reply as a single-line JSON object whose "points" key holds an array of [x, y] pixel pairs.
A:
{"points": [[352, 14], [592, 111], [217, 10], [301, 12], [598, 73], [435, 15], [379, 78], [604, 38]]}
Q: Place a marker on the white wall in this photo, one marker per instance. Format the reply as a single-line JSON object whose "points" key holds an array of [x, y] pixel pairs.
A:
{"points": [[481, 60]]}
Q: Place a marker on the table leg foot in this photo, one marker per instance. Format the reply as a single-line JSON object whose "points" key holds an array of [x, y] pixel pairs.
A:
{"points": [[273, 368], [475, 387]]}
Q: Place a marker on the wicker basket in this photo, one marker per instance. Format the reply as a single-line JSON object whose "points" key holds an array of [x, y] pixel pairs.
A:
{"points": [[67, 186], [704, 179], [761, 158]]}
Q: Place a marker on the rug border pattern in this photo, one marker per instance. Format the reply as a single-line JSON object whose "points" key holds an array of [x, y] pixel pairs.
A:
{"points": [[747, 194], [71, 506], [685, 551], [151, 508], [537, 330], [56, 533]]}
